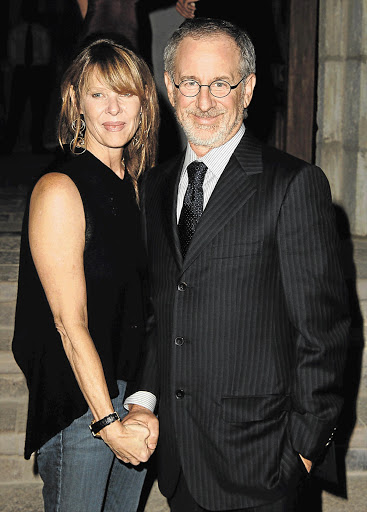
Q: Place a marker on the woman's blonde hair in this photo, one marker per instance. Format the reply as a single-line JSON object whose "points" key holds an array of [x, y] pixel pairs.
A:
{"points": [[125, 72]]}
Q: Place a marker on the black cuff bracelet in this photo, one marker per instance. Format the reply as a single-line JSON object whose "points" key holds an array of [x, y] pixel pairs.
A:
{"points": [[96, 426]]}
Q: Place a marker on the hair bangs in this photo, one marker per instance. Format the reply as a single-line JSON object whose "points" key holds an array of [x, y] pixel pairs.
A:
{"points": [[118, 72]]}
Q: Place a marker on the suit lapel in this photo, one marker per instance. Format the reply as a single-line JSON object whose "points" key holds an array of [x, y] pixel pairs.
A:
{"points": [[234, 188]]}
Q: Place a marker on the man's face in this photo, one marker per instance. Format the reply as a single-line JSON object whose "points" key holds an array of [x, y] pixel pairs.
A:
{"points": [[208, 121]]}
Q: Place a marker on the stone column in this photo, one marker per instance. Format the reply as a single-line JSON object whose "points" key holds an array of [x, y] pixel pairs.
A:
{"points": [[342, 106]]}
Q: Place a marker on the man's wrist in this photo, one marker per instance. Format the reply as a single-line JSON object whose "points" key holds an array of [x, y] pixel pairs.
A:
{"points": [[137, 407], [142, 398]]}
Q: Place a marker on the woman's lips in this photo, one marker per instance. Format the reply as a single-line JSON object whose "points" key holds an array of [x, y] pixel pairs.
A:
{"points": [[113, 126]]}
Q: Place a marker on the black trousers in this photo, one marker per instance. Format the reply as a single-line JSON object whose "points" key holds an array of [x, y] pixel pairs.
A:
{"points": [[182, 501]]}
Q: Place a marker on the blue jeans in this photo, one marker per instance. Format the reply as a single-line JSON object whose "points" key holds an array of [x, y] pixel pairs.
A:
{"points": [[81, 474]]}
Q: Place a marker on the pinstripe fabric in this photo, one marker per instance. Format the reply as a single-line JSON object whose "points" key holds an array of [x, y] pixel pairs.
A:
{"points": [[251, 327]]}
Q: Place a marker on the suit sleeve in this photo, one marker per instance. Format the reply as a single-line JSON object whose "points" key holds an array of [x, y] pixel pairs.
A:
{"points": [[316, 299]]}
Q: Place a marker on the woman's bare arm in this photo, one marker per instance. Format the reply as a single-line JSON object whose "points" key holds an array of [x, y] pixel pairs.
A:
{"points": [[57, 238]]}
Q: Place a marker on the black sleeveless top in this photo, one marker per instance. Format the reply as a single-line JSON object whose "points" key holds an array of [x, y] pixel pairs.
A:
{"points": [[115, 266]]}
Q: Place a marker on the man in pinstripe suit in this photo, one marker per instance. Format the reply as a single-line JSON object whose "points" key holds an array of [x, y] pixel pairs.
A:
{"points": [[247, 356]]}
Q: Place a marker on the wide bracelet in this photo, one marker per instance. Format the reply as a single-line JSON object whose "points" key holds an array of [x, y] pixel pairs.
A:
{"points": [[96, 426]]}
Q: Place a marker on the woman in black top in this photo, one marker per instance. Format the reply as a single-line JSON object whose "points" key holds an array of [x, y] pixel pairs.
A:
{"points": [[81, 295]]}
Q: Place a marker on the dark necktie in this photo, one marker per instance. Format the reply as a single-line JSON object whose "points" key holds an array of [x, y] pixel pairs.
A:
{"points": [[192, 207]]}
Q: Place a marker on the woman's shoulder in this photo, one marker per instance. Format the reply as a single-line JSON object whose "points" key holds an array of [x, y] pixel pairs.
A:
{"points": [[55, 191], [53, 180]]}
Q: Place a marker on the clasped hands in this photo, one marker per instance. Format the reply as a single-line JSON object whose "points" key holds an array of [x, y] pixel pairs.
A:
{"points": [[134, 438]]}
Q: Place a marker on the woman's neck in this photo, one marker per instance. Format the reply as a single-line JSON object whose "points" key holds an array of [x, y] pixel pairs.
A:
{"points": [[112, 157]]}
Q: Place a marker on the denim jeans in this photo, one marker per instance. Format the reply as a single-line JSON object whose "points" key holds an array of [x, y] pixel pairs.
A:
{"points": [[81, 474]]}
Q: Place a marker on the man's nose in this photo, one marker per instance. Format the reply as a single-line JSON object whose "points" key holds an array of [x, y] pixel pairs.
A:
{"points": [[205, 100]]}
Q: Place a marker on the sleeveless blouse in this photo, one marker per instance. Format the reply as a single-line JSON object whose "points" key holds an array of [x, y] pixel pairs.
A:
{"points": [[115, 273]]}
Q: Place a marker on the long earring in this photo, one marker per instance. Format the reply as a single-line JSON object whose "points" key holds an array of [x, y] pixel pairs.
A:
{"points": [[78, 140], [137, 142]]}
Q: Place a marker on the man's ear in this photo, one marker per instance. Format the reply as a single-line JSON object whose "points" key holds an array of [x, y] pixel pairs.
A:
{"points": [[169, 87], [250, 83]]}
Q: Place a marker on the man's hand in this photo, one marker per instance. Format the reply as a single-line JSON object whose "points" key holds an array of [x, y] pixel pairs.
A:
{"points": [[307, 463], [186, 8], [128, 442], [139, 415]]}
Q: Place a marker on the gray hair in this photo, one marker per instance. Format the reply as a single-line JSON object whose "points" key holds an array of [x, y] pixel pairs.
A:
{"points": [[201, 28]]}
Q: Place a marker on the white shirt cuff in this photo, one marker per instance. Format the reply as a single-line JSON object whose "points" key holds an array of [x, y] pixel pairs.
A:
{"points": [[143, 398]]}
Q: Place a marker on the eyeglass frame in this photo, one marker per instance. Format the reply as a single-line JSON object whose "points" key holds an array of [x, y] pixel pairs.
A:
{"points": [[231, 87]]}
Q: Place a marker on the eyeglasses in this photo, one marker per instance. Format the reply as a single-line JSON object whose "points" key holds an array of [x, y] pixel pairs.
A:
{"points": [[218, 88]]}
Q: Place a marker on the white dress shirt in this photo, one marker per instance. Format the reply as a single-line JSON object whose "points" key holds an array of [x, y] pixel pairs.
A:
{"points": [[215, 160]]}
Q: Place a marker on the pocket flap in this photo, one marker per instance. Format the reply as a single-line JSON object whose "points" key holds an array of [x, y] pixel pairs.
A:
{"points": [[240, 409]]}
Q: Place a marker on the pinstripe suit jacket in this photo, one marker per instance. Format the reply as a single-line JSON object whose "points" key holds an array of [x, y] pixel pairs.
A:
{"points": [[251, 327]]}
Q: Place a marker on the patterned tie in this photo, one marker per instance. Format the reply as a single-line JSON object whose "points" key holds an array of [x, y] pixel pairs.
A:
{"points": [[192, 207]]}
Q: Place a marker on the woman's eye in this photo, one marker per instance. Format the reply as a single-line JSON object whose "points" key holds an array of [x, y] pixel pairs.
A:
{"points": [[126, 95], [97, 95]]}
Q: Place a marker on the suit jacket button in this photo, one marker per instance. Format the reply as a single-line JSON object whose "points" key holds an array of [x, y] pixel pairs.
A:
{"points": [[180, 393], [179, 341], [181, 286]]}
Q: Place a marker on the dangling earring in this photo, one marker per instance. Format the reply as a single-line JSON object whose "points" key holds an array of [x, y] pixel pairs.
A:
{"points": [[137, 142], [80, 142]]}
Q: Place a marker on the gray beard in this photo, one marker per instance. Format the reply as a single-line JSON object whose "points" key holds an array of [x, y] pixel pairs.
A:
{"points": [[218, 136]]}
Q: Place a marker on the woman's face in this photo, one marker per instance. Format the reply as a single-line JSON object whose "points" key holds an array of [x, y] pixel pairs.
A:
{"points": [[111, 118]]}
